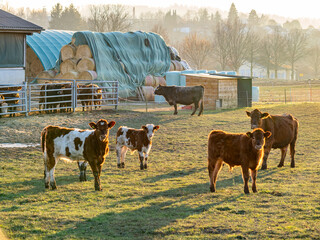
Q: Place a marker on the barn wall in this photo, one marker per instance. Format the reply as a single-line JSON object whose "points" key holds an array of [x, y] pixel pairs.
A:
{"points": [[228, 93]]}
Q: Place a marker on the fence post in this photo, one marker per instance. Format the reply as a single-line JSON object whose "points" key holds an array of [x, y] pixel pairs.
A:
{"points": [[74, 95], [27, 106]]}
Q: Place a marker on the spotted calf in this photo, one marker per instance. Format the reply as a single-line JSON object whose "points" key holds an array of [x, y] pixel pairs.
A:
{"points": [[73, 144], [135, 139]]}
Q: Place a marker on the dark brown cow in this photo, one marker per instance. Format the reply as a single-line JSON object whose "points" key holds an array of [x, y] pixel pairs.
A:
{"points": [[135, 139], [12, 97], [182, 95], [50, 97], [74, 144], [284, 129], [245, 150], [90, 94]]}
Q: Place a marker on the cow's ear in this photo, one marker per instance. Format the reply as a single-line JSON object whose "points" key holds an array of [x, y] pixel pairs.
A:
{"points": [[264, 115], [156, 127], [93, 125], [111, 124], [249, 134], [267, 134], [248, 113], [144, 128]]}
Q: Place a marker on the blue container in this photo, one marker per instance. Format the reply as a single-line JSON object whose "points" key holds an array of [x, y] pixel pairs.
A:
{"points": [[212, 71], [255, 94], [202, 71], [173, 78], [159, 99], [231, 73]]}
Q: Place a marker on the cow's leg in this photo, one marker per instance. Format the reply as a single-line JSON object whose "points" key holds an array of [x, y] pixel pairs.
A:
{"points": [[201, 107], [214, 167], [254, 179], [50, 163], [96, 170], [245, 176], [141, 158], [196, 106], [118, 149], [283, 156], [145, 161], [83, 168], [267, 150], [123, 153], [292, 152], [175, 109]]}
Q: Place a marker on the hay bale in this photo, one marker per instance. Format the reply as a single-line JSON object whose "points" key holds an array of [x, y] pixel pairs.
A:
{"points": [[70, 75], [86, 64], [59, 76], [30, 55], [148, 92], [171, 66], [49, 74], [149, 81], [177, 65], [68, 51], [159, 81], [88, 75], [68, 65], [83, 51], [36, 66]]}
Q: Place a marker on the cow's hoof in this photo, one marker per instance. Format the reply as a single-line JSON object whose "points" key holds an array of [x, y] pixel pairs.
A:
{"points": [[145, 166], [141, 167], [119, 165], [212, 189], [122, 165], [292, 166], [280, 165], [264, 167]]}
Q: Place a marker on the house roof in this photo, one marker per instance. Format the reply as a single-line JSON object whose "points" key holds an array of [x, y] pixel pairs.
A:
{"points": [[12, 23], [47, 45]]}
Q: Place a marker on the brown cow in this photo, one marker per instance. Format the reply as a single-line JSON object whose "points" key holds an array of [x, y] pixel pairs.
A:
{"points": [[284, 129], [236, 149], [135, 139], [75, 145], [90, 94], [12, 98], [3, 106]]}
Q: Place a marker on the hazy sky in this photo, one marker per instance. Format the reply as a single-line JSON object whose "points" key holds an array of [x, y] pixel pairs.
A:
{"points": [[286, 8]]}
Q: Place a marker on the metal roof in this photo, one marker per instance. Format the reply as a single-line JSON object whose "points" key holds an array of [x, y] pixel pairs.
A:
{"points": [[12, 23], [47, 45]]}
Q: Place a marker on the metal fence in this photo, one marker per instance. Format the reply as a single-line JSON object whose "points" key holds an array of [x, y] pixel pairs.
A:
{"points": [[57, 95]]}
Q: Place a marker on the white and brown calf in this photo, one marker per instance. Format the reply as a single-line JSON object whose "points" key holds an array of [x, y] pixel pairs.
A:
{"points": [[136, 140], [73, 144]]}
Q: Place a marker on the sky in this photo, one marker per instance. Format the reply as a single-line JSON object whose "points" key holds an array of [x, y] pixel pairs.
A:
{"points": [[286, 8]]}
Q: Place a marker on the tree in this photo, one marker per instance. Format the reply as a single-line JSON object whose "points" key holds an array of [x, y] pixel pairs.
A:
{"points": [[71, 19], [295, 24], [233, 15], [220, 45], [195, 50], [253, 19], [265, 53], [314, 60], [159, 29], [55, 22], [39, 17], [254, 45], [108, 18], [296, 47]]}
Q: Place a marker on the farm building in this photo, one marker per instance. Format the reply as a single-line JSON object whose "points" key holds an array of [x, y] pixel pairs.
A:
{"points": [[13, 32]]}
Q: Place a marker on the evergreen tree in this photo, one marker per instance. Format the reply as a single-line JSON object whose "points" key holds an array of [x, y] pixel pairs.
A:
{"points": [[55, 22], [233, 15]]}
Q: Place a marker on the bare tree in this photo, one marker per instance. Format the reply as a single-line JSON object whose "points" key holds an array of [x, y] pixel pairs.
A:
{"points": [[159, 29], [296, 47], [254, 45], [314, 60], [220, 45], [195, 50], [265, 54], [108, 18]]}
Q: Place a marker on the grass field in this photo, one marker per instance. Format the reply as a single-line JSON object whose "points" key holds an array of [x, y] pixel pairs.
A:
{"points": [[170, 200]]}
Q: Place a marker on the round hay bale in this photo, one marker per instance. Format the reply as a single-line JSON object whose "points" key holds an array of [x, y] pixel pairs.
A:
{"points": [[171, 66], [36, 66], [83, 51], [88, 75], [68, 51], [86, 64], [148, 93], [159, 81], [149, 81], [70, 75], [30, 55], [68, 65], [58, 76], [49, 74], [177, 66]]}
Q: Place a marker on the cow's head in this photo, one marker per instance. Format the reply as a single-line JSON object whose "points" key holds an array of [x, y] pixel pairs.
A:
{"points": [[258, 137], [102, 129], [256, 118], [150, 129], [160, 90]]}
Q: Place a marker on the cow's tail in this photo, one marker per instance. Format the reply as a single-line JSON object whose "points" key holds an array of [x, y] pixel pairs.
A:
{"points": [[201, 101], [43, 138]]}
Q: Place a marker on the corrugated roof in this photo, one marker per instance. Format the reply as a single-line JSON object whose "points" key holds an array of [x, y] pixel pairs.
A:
{"points": [[47, 45], [10, 22]]}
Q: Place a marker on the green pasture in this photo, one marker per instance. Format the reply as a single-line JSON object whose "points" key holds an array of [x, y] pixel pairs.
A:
{"points": [[169, 200]]}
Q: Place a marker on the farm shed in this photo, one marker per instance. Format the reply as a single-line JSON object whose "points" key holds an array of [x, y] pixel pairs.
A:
{"points": [[223, 91], [13, 32]]}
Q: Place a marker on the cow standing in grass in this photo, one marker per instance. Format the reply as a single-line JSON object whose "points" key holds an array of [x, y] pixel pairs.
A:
{"points": [[135, 139], [182, 95], [236, 149], [75, 145], [284, 129]]}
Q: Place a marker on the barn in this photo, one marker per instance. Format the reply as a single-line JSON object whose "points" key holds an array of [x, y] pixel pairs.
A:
{"points": [[13, 33]]}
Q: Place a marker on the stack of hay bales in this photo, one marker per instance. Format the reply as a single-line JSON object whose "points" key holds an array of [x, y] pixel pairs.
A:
{"points": [[33, 63], [76, 63], [151, 82]]}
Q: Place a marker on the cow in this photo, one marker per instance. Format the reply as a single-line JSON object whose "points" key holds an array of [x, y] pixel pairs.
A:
{"points": [[90, 94], [135, 139], [75, 145], [50, 97], [284, 129], [236, 149], [12, 97], [182, 95], [3, 106]]}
